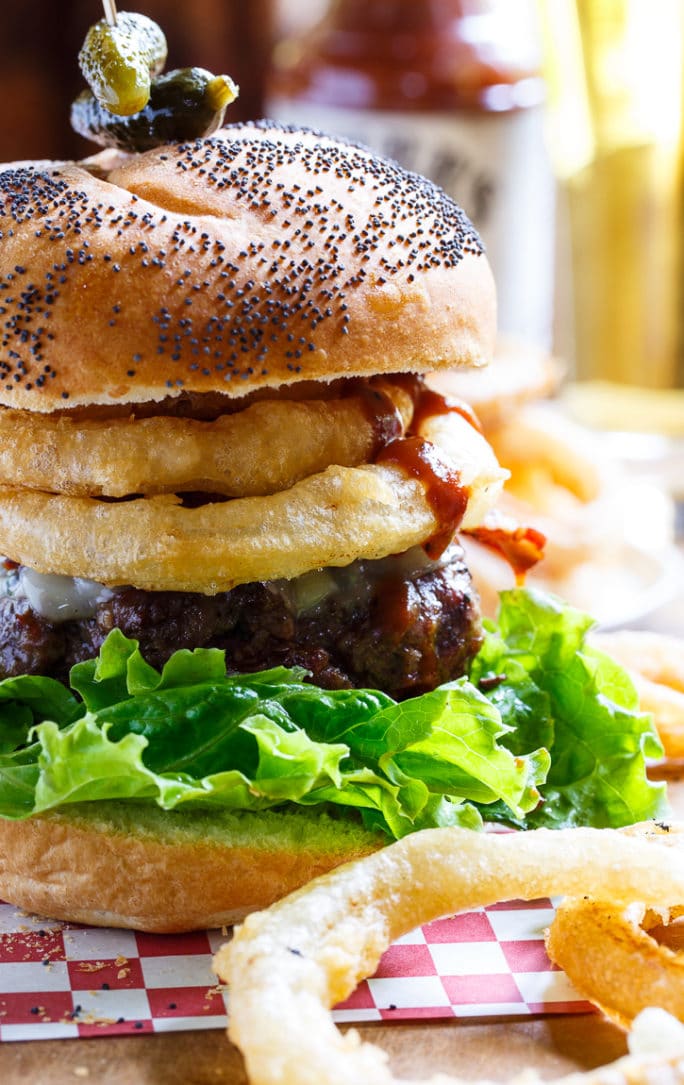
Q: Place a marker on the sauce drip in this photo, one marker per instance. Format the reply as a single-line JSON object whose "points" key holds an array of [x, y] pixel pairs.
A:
{"points": [[448, 499], [430, 403], [522, 547]]}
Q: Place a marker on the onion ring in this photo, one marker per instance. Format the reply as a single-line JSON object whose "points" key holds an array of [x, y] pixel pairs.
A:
{"points": [[156, 543], [262, 449], [598, 945], [666, 705], [550, 442], [288, 965]]}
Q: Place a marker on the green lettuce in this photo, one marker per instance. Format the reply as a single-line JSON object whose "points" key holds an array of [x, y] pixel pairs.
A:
{"points": [[544, 730], [579, 704]]}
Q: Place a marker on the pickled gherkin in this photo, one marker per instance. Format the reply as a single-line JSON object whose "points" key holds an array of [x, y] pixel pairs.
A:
{"points": [[184, 104], [119, 61]]}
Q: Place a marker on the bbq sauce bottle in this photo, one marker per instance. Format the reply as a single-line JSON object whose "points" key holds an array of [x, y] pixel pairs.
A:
{"points": [[453, 90]]}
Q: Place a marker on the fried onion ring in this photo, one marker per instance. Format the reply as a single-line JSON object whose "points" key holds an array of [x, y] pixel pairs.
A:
{"points": [[158, 544], [262, 449], [542, 440], [598, 944], [666, 705], [288, 965]]}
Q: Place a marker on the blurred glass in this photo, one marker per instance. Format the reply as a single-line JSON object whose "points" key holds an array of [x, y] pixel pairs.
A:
{"points": [[616, 78], [615, 74]]}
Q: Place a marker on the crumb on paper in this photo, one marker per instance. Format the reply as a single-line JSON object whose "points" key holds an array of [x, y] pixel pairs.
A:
{"points": [[123, 967], [87, 1017], [210, 994]]}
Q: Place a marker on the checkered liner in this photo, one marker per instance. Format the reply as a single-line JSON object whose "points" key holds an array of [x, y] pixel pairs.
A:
{"points": [[60, 980]]}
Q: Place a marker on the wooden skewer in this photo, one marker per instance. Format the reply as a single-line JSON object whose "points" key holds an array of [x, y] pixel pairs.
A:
{"points": [[110, 11]]}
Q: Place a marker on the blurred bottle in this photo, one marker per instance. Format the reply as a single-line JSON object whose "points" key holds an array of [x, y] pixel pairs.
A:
{"points": [[615, 77], [451, 89]]}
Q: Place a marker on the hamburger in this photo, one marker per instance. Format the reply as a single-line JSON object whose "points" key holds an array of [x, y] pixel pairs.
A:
{"points": [[239, 641]]}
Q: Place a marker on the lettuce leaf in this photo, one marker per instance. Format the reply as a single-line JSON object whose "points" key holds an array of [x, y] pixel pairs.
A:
{"points": [[543, 731], [581, 705]]}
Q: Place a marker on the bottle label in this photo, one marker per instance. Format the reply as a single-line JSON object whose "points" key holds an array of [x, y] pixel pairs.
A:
{"points": [[495, 165]]}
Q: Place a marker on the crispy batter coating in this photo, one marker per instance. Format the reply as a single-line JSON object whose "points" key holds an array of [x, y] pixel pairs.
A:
{"points": [[286, 966]]}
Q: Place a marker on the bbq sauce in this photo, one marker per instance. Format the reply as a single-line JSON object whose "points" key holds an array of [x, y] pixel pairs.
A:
{"points": [[430, 403], [418, 457], [448, 499], [385, 418], [521, 547]]}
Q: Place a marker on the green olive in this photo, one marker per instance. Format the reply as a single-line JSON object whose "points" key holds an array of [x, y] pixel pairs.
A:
{"points": [[183, 104], [119, 61]]}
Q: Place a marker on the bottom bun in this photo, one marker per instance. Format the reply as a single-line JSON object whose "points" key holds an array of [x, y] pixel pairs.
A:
{"points": [[114, 864]]}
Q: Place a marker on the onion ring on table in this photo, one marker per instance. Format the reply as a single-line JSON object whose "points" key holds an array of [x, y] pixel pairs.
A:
{"points": [[546, 440], [288, 965], [599, 944], [264, 448], [158, 544], [666, 705], [655, 663]]}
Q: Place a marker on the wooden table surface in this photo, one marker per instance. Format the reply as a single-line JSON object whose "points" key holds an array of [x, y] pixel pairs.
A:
{"points": [[472, 1048]]}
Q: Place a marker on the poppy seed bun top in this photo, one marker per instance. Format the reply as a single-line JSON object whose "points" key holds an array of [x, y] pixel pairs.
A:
{"points": [[259, 257]]}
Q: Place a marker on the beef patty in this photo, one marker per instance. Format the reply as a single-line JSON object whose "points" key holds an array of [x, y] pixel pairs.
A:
{"points": [[400, 624]]}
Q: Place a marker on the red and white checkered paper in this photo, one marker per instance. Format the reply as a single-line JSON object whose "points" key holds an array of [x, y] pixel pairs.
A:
{"points": [[59, 980]]}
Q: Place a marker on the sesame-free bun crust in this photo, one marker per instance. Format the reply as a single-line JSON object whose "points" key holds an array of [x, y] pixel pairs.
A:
{"points": [[257, 258], [132, 865]]}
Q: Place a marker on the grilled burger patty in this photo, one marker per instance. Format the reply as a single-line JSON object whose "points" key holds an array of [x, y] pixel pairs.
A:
{"points": [[401, 624]]}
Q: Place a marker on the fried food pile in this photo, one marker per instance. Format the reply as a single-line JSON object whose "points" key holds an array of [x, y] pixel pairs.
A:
{"points": [[288, 965]]}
